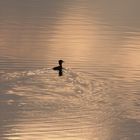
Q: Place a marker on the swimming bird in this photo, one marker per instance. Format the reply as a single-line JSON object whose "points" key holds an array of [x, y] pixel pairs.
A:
{"points": [[59, 68]]}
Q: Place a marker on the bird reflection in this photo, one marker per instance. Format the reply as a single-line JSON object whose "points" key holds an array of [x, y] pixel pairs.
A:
{"points": [[59, 68]]}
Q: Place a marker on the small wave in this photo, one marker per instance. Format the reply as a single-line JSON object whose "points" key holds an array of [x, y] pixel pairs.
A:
{"points": [[44, 85]]}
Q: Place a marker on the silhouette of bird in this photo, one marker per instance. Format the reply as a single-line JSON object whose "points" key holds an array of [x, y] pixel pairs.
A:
{"points": [[59, 68]]}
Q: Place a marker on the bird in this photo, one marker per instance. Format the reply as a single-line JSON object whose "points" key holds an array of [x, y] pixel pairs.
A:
{"points": [[59, 68]]}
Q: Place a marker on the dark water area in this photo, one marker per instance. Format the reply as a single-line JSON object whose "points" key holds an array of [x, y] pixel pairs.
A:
{"points": [[98, 96]]}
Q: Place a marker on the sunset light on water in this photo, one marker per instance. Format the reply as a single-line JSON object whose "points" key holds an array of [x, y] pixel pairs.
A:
{"points": [[93, 94]]}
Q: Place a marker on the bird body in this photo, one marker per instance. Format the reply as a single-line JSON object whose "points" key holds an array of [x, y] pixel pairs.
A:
{"points": [[59, 68]]}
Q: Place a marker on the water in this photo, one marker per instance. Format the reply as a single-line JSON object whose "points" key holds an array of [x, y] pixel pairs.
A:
{"points": [[98, 96]]}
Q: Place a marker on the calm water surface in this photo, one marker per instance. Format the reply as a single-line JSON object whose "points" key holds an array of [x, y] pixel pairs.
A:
{"points": [[98, 98]]}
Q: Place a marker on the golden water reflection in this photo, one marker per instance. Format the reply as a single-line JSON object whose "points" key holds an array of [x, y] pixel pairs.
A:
{"points": [[97, 98]]}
